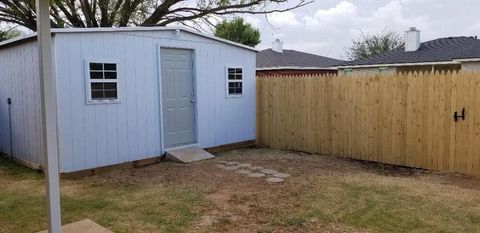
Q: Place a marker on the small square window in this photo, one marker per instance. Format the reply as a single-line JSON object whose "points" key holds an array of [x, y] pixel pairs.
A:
{"points": [[235, 81], [103, 81]]}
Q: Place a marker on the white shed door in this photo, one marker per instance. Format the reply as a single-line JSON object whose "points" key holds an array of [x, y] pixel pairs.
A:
{"points": [[178, 97]]}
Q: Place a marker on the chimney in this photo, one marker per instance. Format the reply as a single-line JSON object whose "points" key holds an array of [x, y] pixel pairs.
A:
{"points": [[277, 46], [412, 40]]}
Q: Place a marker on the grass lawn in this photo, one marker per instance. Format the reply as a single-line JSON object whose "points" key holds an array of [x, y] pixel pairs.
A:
{"points": [[324, 194]]}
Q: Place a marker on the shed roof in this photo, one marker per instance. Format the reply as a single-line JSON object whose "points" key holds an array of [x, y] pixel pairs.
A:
{"points": [[23, 38], [292, 59], [435, 51]]}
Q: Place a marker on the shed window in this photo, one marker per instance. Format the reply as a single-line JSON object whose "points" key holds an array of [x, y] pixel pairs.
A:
{"points": [[102, 82], [234, 81]]}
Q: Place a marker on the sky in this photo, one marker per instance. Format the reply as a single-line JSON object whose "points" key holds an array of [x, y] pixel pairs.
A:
{"points": [[327, 27]]}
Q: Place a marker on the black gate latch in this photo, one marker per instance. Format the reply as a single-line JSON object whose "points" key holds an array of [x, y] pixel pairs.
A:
{"points": [[456, 116]]}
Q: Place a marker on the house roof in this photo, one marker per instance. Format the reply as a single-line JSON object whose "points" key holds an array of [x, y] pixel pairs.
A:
{"points": [[440, 50], [24, 38], [291, 59]]}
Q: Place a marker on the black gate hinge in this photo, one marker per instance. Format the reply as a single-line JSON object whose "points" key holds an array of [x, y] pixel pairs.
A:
{"points": [[456, 116]]}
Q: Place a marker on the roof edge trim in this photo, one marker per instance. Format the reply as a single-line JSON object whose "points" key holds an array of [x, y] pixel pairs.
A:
{"points": [[402, 64], [129, 29], [17, 39], [295, 68]]}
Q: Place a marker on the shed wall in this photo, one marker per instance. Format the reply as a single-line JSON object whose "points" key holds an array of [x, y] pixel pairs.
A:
{"points": [[19, 80], [104, 134]]}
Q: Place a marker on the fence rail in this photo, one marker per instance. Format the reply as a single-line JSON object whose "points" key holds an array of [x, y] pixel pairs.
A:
{"points": [[402, 119]]}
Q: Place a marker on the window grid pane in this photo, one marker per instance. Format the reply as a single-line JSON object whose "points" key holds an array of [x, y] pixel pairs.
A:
{"points": [[111, 67], [110, 75], [96, 66]]}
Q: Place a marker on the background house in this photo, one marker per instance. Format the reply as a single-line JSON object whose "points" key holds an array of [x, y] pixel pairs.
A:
{"points": [[444, 54], [279, 61], [127, 94]]}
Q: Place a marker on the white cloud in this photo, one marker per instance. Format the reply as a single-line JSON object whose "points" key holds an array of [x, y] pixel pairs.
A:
{"points": [[254, 21], [284, 19], [340, 15], [345, 17]]}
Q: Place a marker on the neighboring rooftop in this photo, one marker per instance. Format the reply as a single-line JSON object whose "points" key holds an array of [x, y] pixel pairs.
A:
{"points": [[440, 50], [291, 59], [278, 58]]}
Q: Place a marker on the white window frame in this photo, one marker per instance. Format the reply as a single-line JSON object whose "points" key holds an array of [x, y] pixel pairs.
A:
{"points": [[234, 81], [89, 81]]}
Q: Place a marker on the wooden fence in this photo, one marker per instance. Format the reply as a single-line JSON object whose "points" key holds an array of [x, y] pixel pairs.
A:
{"points": [[404, 119]]}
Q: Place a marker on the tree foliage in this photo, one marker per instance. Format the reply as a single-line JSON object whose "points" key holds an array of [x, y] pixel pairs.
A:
{"points": [[6, 33], [239, 31], [122, 13], [369, 45]]}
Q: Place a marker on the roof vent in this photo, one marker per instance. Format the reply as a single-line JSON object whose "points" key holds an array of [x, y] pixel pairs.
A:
{"points": [[277, 46], [412, 40]]}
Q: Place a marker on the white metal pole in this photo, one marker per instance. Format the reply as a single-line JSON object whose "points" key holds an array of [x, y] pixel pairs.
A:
{"points": [[48, 99]]}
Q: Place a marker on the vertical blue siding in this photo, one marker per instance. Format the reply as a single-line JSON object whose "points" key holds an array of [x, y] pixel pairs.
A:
{"points": [[19, 80]]}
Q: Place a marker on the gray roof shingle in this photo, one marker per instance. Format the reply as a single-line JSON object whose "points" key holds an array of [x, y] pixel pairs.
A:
{"points": [[439, 50], [291, 58]]}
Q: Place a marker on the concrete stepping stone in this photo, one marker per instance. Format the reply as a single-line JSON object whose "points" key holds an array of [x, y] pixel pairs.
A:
{"points": [[243, 171], [84, 226], [269, 171], [231, 168], [220, 165], [246, 165], [256, 175], [281, 175], [222, 162], [274, 180], [232, 163]]}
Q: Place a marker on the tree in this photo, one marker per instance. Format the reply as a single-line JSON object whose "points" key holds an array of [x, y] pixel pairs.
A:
{"points": [[239, 31], [122, 13], [6, 34], [369, 45]]}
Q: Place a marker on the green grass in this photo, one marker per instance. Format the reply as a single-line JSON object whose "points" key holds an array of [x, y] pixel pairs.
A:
{"points": [[14, 171], [121, 208], [380, 208]]}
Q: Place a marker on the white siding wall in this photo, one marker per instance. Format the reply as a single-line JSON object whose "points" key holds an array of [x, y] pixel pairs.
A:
{"points": [[19, 80], [104, 134]]}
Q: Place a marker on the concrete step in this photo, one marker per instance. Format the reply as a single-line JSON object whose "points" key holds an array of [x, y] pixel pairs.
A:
{"points": [[84, 226], [188, 155]]}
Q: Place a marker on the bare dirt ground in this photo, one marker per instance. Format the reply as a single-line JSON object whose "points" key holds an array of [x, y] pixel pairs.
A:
{"points": [[242, 204]]}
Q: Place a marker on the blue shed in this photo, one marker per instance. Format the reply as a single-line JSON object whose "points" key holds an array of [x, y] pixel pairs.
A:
{"points": [[127, 94]]}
